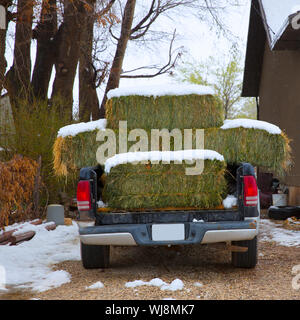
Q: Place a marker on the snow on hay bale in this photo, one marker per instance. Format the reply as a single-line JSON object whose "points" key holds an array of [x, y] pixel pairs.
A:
{"points": [[262, 147], [131, 184], [255, 145], [175, 106], [75, 146]]}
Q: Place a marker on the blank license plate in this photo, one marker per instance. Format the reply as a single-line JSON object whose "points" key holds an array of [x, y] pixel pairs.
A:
{"points": [[168, 232]]}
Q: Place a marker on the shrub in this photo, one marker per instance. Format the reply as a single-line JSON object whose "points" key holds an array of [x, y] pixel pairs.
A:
{"points": [[17, 180], [37, 124]]}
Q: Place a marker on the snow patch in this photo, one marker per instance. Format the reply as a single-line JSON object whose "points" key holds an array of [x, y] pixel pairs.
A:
{"points": [[101, 204], [198, 284], [26, 227], [270, 231], [96, 285], [199, 221], [229, 202], [53, 280], [169, 156], [250, 123], [28, 265], [175, 285], [76, 128], [160, 90]]}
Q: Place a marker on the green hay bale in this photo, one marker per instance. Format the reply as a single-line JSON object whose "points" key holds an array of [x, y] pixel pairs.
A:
{"points": [[138, 186], [186, 111], [258, 147]]}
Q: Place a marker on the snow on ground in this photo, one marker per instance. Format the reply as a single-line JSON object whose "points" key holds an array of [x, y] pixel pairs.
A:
{"points": [[270, 231], [29, 264], [76, 128], [96, 285], [159, 90], [175, 285], [198, 284], [250, 123], [131, 157], [26, 227]]}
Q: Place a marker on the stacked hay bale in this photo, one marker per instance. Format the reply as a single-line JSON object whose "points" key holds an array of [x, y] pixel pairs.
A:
{"points": [[147, 185], [256, 146], [75, 147], [131, 186], [164, 112]]}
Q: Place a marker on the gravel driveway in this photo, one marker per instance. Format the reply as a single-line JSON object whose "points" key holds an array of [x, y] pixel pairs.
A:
{"points": [[207, 265]]}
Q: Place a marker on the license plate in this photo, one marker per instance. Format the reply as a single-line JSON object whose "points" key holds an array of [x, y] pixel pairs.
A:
{"points": [[168, 232]]}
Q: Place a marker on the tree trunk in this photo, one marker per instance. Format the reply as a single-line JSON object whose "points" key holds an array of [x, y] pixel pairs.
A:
{"points": [[44, 33], [67, 42], [3, 64], [88, 99], [18, 77], [116, 69]]}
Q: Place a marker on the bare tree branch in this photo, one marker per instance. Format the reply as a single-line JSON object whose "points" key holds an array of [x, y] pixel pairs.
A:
{"points": [[162, 70]]}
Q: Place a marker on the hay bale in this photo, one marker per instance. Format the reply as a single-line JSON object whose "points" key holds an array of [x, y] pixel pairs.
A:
{"points": [[258, 147], [134, 186], [183, 111], [73, 153]]}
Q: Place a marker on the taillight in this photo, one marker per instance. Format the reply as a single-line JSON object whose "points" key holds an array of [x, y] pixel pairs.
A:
{"points": [[250, 191], [84, 195]]}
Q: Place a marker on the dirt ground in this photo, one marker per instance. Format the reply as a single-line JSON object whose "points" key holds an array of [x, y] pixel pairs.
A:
{"points": [[208, 265]]}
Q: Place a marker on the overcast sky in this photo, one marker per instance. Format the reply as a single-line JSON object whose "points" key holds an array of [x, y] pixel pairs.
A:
{"points": [[197, 39]]}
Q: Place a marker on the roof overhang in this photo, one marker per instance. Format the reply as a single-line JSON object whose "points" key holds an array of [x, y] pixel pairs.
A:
{"points": [[255, 52], [288, 38]]}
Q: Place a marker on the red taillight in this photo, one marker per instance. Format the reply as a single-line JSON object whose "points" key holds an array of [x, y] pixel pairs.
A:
{"points": [[84, 195], [250, 191]]}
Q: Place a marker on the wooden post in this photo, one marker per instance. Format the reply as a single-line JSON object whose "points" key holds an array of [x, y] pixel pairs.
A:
{"points": [[36, 192], [294, 196]]}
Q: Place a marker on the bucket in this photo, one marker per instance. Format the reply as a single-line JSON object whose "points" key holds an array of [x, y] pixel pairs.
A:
{"points": [[279, 200], [55, 213]]}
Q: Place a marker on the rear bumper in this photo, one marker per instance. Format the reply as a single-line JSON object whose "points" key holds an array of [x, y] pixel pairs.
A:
{"points": [[195, 232]]}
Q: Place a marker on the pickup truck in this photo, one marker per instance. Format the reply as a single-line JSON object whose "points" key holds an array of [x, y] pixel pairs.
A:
{"points": [[238, 226]]}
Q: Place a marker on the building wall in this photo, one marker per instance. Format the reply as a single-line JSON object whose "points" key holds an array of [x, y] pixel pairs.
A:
{"points": [[280, 99]]}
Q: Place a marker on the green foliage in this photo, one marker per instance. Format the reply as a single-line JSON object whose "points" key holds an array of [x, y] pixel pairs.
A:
{"points": [[247, 109], [36, 126]]}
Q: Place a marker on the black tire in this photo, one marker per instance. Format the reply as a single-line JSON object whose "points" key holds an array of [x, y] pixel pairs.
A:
{"points": [[245, 259], [94, 256], [282, 213]]}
